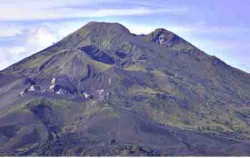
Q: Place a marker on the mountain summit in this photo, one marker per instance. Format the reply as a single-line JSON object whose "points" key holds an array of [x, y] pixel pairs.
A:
{"points": [[105, 91]]}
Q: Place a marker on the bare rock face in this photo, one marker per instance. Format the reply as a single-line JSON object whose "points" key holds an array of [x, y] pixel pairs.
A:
{"points": [[102, 91]]}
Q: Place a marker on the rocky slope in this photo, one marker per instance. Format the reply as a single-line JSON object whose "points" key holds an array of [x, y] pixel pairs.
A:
{"points": [[105, 91]]}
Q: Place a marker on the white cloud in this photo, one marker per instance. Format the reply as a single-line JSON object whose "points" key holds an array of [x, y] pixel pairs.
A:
{"points": [[38, 4], [41, 38], [10, 55], [17, 10], [63, 13], [35, 40], [9, 30]]}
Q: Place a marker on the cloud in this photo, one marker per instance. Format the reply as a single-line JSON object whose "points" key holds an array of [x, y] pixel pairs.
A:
{"points": [[26, 4], [64, 13], [10, 55], [34, 41], [17, 10], [41, 38], [8, 31]]}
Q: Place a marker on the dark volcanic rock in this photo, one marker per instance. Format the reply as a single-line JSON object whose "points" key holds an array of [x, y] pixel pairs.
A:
{"points": [[98, 55]]}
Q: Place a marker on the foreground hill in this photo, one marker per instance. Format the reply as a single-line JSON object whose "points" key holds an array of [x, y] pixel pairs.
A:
{"points": [[105, 91]]}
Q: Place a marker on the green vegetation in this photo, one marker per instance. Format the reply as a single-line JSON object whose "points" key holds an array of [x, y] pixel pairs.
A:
{"points": [[35, 62], [135, 68], [93, 108], [159, 74], [182, 47], [209, 120], [20, 107], [105, 43], [143, 90], [127, 47], [100, 66]]}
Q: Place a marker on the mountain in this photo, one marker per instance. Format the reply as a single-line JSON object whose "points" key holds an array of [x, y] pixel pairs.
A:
{"points": [[104, 91]]}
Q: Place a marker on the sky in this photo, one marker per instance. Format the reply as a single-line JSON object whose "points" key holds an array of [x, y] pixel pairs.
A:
{"points": [[218, 27]]}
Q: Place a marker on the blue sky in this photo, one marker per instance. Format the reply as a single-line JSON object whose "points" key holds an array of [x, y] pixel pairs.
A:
{"points": [[218, 27]]}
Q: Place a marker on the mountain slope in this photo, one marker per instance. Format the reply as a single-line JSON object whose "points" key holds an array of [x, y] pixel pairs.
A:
{"points": [[104, 91]]}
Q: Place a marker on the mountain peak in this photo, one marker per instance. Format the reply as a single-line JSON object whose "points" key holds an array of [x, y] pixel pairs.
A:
{"points": [[163, 37], [161, 30], [96, 33], [102, 90], [104, 26]]}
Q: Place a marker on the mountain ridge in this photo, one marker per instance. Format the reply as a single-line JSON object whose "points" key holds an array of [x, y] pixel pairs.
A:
{"points": [[121, 27], [127, 94]]}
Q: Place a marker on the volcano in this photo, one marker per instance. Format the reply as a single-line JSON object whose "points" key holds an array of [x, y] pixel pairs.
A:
{"points": [[104, 91]]}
